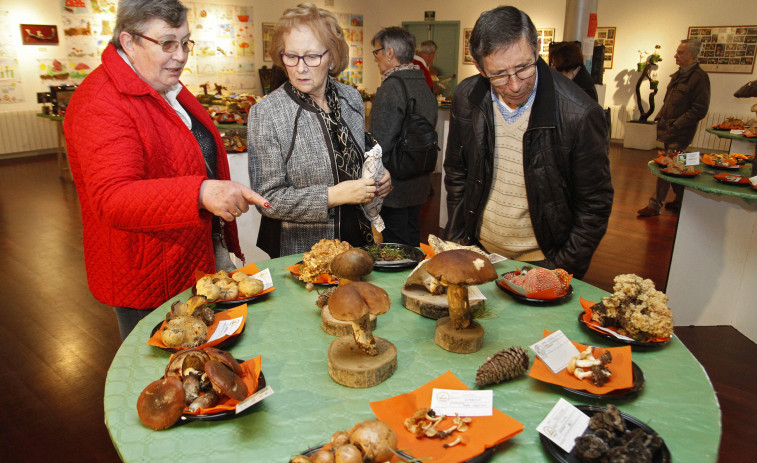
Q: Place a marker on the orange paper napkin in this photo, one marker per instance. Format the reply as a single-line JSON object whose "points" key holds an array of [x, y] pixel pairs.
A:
{"points": [[250, 374], [621, 368], [586, 317], [428, 250], [235, 312], [322, 278], [484, 431], [249, 269]]}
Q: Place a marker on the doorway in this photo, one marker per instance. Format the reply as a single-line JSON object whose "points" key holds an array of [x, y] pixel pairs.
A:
{"points": [[446, 35]]}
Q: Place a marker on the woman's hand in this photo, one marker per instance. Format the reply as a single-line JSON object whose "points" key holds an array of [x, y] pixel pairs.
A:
{"points": [[228, 199], [384, 185], [352, 192]]}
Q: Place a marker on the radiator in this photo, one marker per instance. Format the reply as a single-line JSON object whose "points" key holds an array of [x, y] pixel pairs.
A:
{"points": [[702, 139], [22, 131]]}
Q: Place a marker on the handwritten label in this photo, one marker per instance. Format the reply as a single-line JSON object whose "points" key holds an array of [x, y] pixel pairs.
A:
{"points": [[226, 327], [555, 351], [464, 403], [563, 424]]}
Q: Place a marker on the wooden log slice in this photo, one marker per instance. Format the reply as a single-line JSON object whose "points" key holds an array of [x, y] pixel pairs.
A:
{"points": [[434, 306], [336, 327], [351, 367], [464, 341]]}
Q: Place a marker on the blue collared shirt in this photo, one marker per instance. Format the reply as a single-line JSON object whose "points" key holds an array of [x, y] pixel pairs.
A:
{"points": [[512, 115]]}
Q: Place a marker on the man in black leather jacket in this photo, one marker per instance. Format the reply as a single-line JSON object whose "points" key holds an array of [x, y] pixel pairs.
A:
{"points": [[526, 167]]}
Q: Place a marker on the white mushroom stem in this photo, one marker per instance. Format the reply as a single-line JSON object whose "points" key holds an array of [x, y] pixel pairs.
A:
{"points": [[361, 330], [459, 306], [581, 374], [454, 442]]}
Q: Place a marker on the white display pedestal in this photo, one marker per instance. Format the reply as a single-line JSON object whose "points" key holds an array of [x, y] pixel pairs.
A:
{"points": [[249, 222], [640, 135]]}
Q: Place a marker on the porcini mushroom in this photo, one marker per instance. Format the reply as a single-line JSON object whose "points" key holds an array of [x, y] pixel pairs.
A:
{"points": [[351, 265], [355, 302], [161, 403], [225, 381], [457, 269]]}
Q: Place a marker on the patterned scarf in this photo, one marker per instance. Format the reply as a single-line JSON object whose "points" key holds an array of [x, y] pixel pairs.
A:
{"points": [[347, 155], [401, 67]]}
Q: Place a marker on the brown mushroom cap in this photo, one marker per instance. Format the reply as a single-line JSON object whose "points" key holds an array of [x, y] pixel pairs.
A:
{"points": [[161, 403], [225, 381], [185, 359], [375, 440], [461, 267], [349, 302], [352, 264], [224, 357]]}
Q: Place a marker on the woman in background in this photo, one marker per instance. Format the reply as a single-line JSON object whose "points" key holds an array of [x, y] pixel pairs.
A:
{"points": [[306, 141], [401, 80], [567, 59]]}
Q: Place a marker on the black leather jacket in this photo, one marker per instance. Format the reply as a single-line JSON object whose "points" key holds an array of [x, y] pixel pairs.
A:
{"points": [[566, 168]]}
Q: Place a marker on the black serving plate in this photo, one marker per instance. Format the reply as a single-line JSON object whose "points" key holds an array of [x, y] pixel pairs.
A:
{"points": [[638, 385], [226, 343], [632, 342], [559, 455], [415, 255], [532, 301], [482, 458], [226, 414]]}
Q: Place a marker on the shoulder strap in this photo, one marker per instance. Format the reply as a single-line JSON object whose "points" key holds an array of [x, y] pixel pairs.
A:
{"points": [[410, 106]]}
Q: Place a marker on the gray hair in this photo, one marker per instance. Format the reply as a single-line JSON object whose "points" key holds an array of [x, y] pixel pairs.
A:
{"points": [[133, 14], [694, 46], [428, 46], [500, 28], [400, 40]]}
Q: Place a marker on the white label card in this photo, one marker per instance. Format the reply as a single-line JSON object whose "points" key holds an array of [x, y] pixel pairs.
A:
{"points": [[475, 294], [265, 277], [563, 424], [253, 399], [689, 159], [464, 403], [226, 327], [495, 258], [555, 351]]}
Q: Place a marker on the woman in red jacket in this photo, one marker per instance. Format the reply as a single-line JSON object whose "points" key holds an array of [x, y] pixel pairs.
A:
{"points": [[150, 168]]}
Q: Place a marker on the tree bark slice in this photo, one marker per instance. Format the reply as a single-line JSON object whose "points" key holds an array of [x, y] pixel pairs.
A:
{"points": [[464, 341], [336, 327], [419, 300], [350, 367]]}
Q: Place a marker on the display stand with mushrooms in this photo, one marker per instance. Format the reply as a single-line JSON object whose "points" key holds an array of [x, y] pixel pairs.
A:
{"points": [[348, 266], [360, 359], [426, 296], [458, 269]]}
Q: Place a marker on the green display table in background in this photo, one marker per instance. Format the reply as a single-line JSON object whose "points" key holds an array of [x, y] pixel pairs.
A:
{"points": [[284, 327]]}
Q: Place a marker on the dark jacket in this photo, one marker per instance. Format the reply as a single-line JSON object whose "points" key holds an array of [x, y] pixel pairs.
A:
{"points": [[387, 114], [686, 102], [583, 79], [565, 162]]}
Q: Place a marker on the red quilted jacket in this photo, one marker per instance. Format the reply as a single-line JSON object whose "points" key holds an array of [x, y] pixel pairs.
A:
{"points": [[138, 171]]}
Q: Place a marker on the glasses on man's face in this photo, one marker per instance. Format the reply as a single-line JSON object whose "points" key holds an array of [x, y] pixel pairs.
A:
{"points": [[311, 60], [376, 52], [522, 74], [170, 46]]}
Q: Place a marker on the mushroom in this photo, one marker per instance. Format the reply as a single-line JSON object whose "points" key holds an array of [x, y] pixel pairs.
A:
{"points": [[355, 302], [456, 270], [225, 381], [420, 277], [375, 440], [185, 361], [351, 265], [322, 456], [224, 357], [348, 454], [340, 438], [161, 403]]}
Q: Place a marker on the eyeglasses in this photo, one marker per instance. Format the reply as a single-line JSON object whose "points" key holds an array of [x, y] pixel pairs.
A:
{"points": [[522, 74], [376, 52], [311, 60], [170, 46]]}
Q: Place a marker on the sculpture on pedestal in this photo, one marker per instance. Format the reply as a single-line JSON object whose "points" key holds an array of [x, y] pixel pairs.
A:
{"points": [[648, 69]]}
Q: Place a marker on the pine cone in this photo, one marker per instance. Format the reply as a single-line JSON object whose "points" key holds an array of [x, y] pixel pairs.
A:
{"points": [[506, 364]]}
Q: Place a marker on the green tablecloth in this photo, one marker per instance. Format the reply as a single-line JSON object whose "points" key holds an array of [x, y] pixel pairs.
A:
{"points": [[705, 182], [733, 136], [678, 400]]}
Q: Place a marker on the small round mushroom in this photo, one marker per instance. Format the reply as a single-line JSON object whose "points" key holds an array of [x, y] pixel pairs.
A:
{"points": [[351, 265], [355, 302], [322, 456], [161, 403], [225, 381], [348, 454], [375, 439], [457, 269]]}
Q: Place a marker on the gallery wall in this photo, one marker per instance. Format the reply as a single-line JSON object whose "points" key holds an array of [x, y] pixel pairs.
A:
{"points": [[640, 25]]}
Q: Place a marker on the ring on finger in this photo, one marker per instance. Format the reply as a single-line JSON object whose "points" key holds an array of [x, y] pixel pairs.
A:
{"points": [[236, 213]]}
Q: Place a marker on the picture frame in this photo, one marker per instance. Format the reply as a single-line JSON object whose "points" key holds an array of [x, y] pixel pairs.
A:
{"points": [[606, 36], [39, 34], [59, 97], [726, 49], [546, 37], [467, 57], [267, 38]]}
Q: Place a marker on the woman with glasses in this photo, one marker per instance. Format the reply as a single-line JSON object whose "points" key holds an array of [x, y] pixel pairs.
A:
{"points": [[307, 141], [150, 168], [401, 80]]}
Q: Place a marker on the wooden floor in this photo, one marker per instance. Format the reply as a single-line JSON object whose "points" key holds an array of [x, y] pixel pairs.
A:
{"points": [[59, 342]]}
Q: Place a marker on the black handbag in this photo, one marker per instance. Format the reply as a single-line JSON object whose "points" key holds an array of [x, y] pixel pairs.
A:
{"points": [[416, 150]]}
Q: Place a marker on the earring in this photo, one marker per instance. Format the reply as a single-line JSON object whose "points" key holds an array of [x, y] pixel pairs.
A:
{"points": [[331, 67]]}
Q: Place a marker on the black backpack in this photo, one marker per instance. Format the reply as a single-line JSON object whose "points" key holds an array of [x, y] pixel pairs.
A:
{"points": [[416, 150]]}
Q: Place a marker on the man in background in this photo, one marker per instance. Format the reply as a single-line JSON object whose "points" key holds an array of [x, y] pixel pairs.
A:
{"points": [[526, 168], [423, 58], [686, 102]]}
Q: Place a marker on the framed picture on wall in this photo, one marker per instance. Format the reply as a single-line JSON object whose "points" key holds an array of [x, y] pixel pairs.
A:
{"points": [[606, 36], [726, 49], [546, 37], [267, 37], [38, 34], [467, 57]]}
